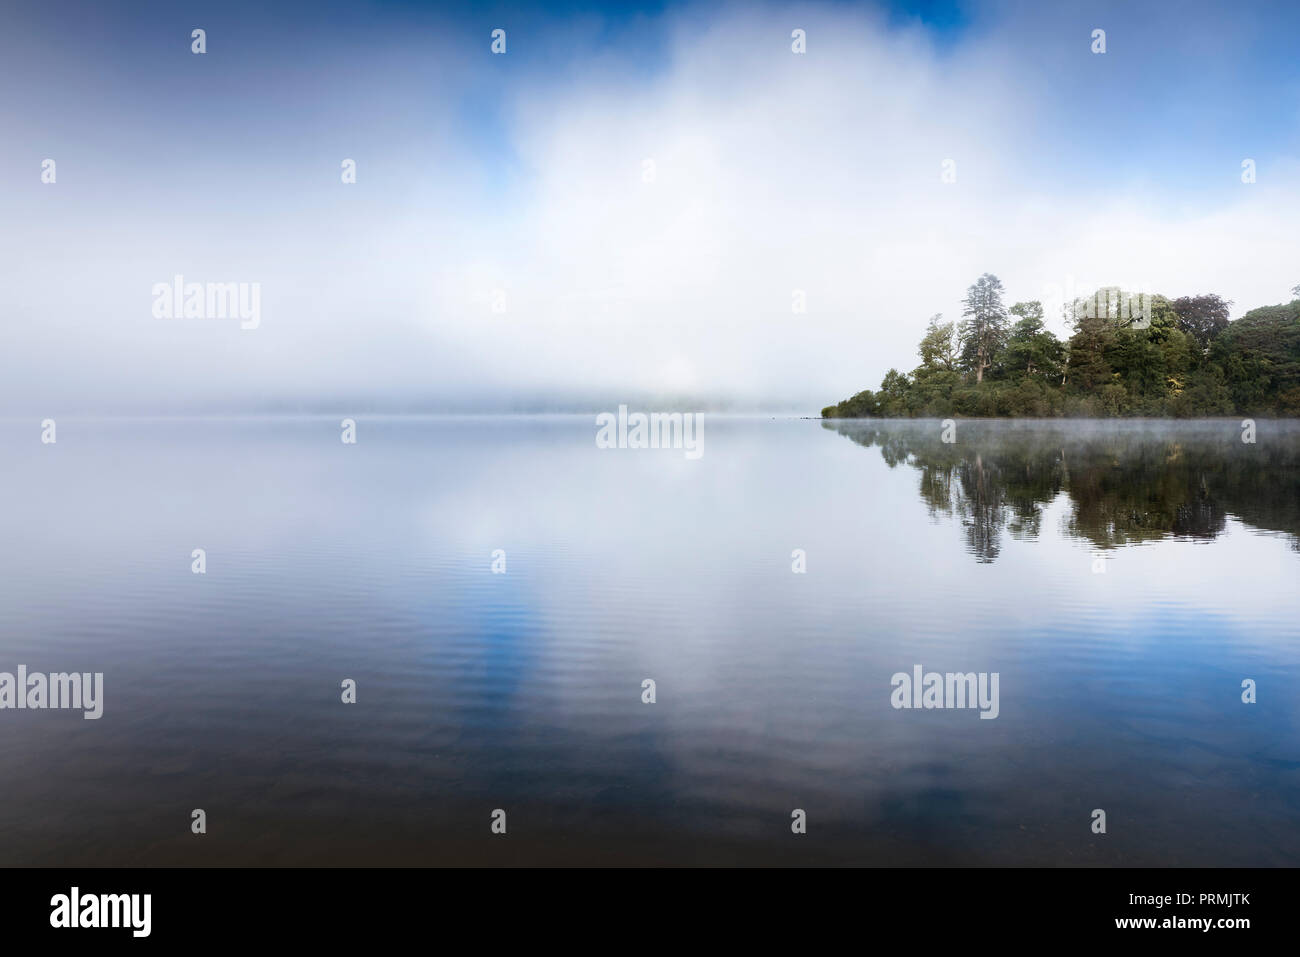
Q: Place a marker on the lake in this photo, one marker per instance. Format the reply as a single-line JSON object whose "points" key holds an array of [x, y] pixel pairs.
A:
{"points": [[1122, 580]]}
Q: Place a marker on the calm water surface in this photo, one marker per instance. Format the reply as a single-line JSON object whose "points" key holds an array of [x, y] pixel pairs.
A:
{"points": [[1122, 579]]}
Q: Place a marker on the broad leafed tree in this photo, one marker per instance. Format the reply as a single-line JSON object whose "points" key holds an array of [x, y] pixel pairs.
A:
{"points": [[939, 344], [1202, 317]]}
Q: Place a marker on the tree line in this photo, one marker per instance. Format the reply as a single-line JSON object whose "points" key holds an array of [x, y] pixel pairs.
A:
{"points": [[1163, 357]]}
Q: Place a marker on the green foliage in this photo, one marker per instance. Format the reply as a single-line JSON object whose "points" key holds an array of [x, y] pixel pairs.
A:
{"points": [[1032, 352], [1205, 394], [1114, 399], [1190, 361], [892, 398], [1260, 357], [1089, 368], [983, 329], [939, 345], [861, 406], [1202, 317]]}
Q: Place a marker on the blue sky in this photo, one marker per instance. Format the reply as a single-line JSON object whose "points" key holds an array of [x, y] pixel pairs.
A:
{"points": [[523, 175]]}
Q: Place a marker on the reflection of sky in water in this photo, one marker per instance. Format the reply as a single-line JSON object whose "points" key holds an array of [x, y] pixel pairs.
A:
{"points": [[1118, 690]]}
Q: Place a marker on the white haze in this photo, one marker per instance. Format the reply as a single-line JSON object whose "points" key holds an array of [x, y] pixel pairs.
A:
{"points": [[774, 172]]}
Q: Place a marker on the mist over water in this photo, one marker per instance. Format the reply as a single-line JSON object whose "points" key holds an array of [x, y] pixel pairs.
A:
{"points": [[1120, 688]]}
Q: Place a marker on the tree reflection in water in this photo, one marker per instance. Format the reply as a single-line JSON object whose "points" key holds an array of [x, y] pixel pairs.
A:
{"points": [[1126, 482]]}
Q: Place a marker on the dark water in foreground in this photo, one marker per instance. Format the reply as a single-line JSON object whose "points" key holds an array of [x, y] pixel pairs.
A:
{"points": [[1122, 580]]}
